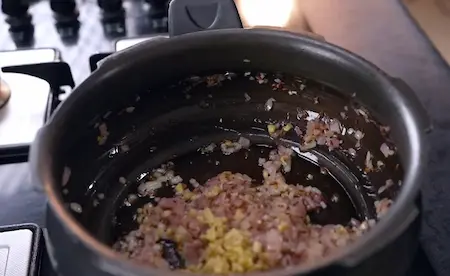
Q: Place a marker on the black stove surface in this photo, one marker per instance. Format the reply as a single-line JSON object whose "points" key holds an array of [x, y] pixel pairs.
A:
{"points": [[25, 203]]}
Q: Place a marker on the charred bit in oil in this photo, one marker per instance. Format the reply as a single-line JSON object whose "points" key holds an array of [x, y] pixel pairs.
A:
{"points": [[170, 253]]}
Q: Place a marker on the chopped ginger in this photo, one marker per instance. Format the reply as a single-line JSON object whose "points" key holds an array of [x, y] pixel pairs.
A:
{"points": [[283, 226], [179, 188], [227, 251], [271, 128], [287, 127]]}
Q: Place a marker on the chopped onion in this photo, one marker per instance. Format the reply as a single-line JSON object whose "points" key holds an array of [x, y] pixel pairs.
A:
{"points": [[359, 135], [244, 142], [385, 129], [308, 146], [298, 131], [352, 152], [66, 176], [380, 164], [389, 183], [132, 198], [176, 180], [76, 207], [386, 150], [335, 198], [333, 143], [261, 161], [208, 149], [382, 206], [269, 104], [194, 183], [148, 187], [363, 113], [335, 126], [321, 140], [368, 162]]}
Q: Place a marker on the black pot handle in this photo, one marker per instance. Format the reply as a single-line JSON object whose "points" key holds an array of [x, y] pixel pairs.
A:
{"points": [[422, 117], [188, 16]]}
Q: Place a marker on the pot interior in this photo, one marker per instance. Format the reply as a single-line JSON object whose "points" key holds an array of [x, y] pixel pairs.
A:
{"points": [[107, 162]]}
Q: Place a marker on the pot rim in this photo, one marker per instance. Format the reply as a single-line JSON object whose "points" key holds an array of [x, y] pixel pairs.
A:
{"points": [[392, 224]]}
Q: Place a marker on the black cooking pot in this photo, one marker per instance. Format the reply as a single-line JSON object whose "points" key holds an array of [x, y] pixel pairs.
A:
{"points": [[150, 110]]}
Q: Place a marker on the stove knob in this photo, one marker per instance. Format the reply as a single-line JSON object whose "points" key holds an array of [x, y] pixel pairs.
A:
{"points": [[113, 17], [15, 8], [19, 20], [111, 9], [158, 14], [65, 9], [66, 17]]}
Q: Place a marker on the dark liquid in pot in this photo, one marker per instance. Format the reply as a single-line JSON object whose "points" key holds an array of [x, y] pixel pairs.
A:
{"points": [[200, 115]]}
